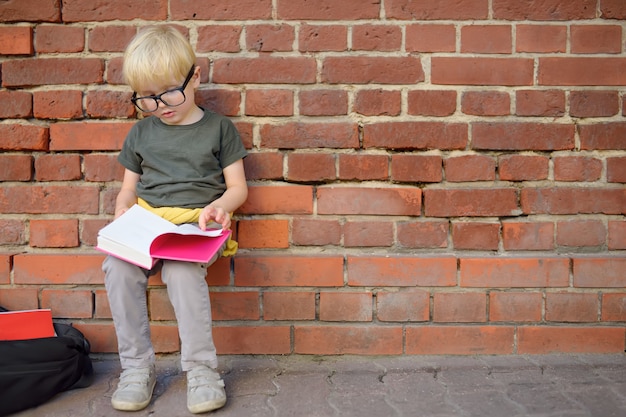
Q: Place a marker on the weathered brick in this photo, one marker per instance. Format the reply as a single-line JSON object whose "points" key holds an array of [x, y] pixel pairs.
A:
{"points": [[550, 10], [603, 136], [408, 305], [241, 305], [617, 235], [216, 10], [58, 269], [242, 340], [297, 135], [12, 232], [599, 272], [314, 38], [369, 37], [475, 236], [263, 234], [220, 101], [571, 307], [219, 38], [16, 40], [30, 11], [15, 104], [378, 102], [264, 70], [401, 271], [432, 102], [460, 340], [59, 38], [288, 305], [514, 272], [486, 103], [470, 168], [306, 231], [59, 104], [423, 234], [486, 39], [50, 71], [270, 38], [401, 201], [72, 304], [540, 103], [470, 307], [373, 69], [577, 168], [84, 10], [19, 298], [430, 38], [571, 339], [323, 102], [616, 169], [523, 167], [46, 199], [614, 307], [470, 202], [581, 71], [109, 104], [291, 271], [527, 235], [322, 9], [515, 306], [440, 10], [596, 39], [579, 233], [16, 167], [594, 103], [311, 167], [345, 306], [346, 340], [57, 167], [541, 38], [61, 233], [93, 136], [23, 137], [482, 71], [264, 165], [416, 168], [367, 234], [415, 135], [363, 167], [573, 200], [287, 199], [113, 38], [98, 167], [522, 136], [275, 102]]}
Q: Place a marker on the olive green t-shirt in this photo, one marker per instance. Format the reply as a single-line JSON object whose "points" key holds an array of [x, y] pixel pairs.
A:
{"points": [[181, 166]]}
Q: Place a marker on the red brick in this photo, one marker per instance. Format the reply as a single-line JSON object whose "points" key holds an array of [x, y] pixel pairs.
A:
{"points": [[283, 305], [322, 9], [613, 9], [550, 10], [12, 232], [486, 103], [311, 167], [460, 340], [541, 38], [475, 236], [323, 102], [416, 168], [16, 40], [102, 309], [165, 338], [486, 39], [109, 104], [415, 135], [596, 39], [314, 38], [22, 137], [16, 167], [266, 165], [90, 229], [297, 135], [54, 233], [270, 38], [100, 167], [49, 71], [572, 307], [347, 340], [528, 236], [523, 167], [423, 234], [221, 101], [46, 199], [400, 201], [540, 103], [581, 71], [552, 339], [572, 200], [81, 11], [289, 271], [101, 336], [616, 169], [215, 10], [60, 104], [219, 38], [579, 233], [243, 305], [430, 38], [617, 235], [376, 37], [265, 70], [269, 102], [92, 136], [58, 38], [263, 233], [57, 167], [470, 202], [523, 136], [409, 305], [577, 168], [346, 306], [594, 103], [372, 69], [602, 136], [19, 298], [308, 231], [469, 307], [363, 167], [367, 234], [431, 102], [514, 272], [31, 11], [482, 71], [15, 104], [287, 199], [515, 306], [401, 271], [259, 340], [378, 102], [599, 272], [62, 269], [113, 38], [73, 303], [439, 10], [613, 307], [470, 168], [159, 304]]}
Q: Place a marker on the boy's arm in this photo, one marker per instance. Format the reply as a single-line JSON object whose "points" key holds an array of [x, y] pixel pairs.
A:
{"points": [[234, 196], [127, 195]]}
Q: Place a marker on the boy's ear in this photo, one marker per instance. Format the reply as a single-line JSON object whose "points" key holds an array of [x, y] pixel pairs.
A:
{"points": [[196, 77]]}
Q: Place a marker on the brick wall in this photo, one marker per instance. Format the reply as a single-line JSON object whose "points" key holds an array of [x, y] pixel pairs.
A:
{"points": [[425, 176]]}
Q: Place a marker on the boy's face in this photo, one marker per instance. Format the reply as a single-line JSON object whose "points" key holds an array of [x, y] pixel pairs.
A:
{"points": [[174, 102]]}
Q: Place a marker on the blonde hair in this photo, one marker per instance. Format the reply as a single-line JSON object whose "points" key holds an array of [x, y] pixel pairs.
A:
{"points": [[157, 54]]}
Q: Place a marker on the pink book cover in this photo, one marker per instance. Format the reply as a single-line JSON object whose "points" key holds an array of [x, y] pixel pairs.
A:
{"points": [[189, 248]]}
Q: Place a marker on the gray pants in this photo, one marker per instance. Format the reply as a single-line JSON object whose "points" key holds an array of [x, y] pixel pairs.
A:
{"points": [[126, 286]]}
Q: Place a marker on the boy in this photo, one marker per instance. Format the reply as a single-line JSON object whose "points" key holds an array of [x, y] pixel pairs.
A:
{"points": [[186, 165]]}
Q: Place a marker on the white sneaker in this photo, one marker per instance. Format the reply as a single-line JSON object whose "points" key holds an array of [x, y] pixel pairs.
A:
{"points": [[134, 390], [205, 390]]}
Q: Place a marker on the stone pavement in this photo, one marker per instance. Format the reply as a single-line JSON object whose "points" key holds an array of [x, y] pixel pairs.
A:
{"points": [[442, 386]]}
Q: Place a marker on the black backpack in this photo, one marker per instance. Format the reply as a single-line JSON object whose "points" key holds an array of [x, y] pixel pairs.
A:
{"points": [[35, 370]]}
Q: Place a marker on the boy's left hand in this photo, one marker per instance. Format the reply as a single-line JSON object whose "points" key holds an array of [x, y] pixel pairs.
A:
{"points": [[216, 214]]}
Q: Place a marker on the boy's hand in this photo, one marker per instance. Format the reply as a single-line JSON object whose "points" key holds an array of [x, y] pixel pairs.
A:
{"points": [[212, 213]]}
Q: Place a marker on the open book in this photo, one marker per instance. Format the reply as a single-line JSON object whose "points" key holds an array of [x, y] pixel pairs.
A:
{"points": [[141, 238]]}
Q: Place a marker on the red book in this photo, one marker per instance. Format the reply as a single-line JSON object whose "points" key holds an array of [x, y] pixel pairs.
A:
{"points": [[141, 237], [26, 324]]}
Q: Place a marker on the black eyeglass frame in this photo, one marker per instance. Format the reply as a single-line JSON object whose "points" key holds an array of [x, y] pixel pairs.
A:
{"points": [[134, 99]]}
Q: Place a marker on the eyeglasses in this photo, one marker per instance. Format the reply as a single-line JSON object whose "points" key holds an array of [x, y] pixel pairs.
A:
{"points": [[171, 98]]}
